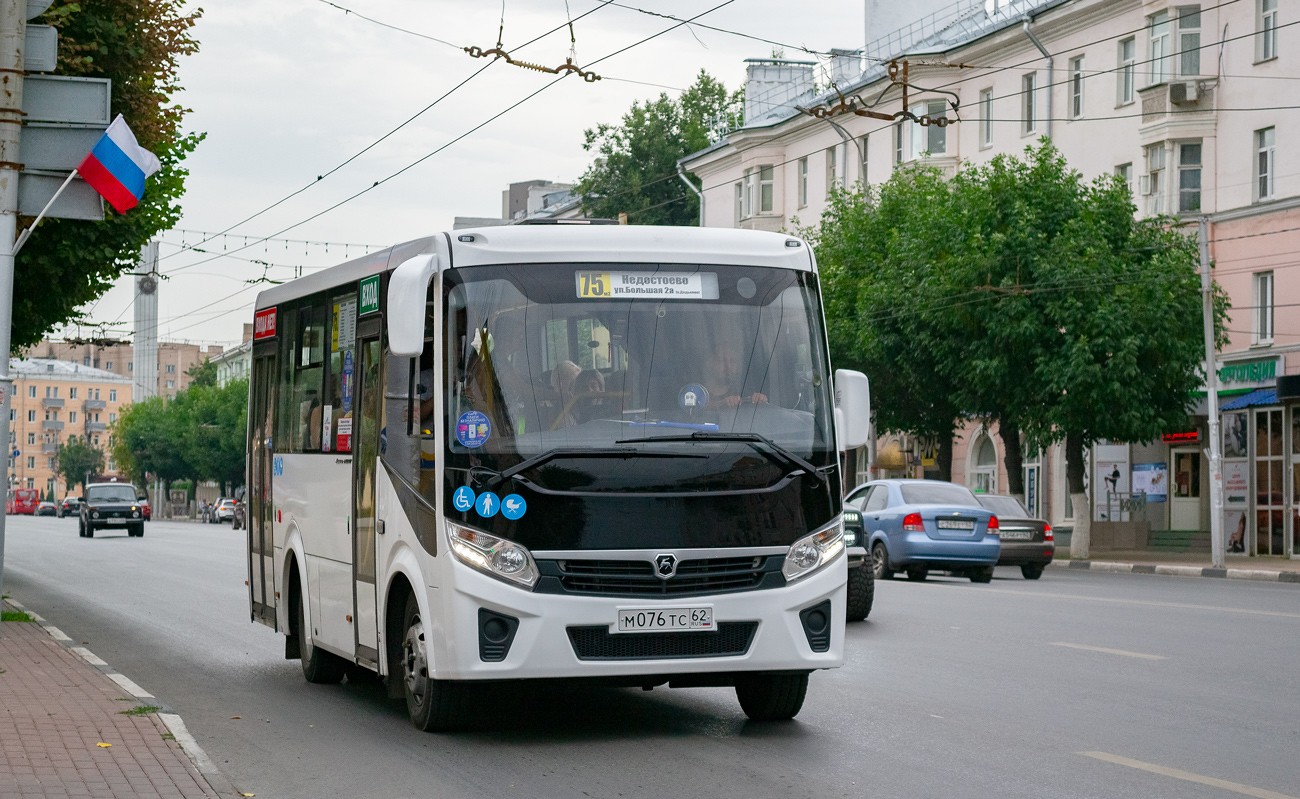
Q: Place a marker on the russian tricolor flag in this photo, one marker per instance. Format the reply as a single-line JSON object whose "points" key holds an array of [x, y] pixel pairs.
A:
{"points": [[117, 167]]}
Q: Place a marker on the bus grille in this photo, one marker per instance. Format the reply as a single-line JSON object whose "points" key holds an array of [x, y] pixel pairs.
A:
{"points": [[637, 577], [731, 639]]}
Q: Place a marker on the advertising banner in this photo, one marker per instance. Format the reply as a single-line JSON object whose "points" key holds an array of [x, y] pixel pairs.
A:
{"points": [[1151, 479]]}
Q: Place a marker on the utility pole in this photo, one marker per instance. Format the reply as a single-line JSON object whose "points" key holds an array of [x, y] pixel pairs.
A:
{"points": [[13, 31], [1212, 400]]}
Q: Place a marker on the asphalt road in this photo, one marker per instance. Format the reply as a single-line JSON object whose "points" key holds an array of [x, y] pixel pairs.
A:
{"points": [[1078, 685]]}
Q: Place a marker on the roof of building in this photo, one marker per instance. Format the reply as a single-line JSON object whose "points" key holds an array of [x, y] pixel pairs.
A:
{"points": [[51, 369]]}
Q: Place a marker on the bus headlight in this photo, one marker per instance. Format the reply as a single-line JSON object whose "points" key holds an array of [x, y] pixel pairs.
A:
{"points": [[491, 555], [813, 551]]}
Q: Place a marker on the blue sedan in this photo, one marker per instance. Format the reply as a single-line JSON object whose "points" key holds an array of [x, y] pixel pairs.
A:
{"points": [[918, 525]]}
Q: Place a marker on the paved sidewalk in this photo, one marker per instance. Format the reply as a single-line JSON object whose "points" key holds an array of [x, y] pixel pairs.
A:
{"points": [[1185, 564], [64, 732]]}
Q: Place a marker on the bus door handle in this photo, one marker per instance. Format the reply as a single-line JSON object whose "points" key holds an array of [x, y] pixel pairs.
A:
{"points": [[379, 526]]}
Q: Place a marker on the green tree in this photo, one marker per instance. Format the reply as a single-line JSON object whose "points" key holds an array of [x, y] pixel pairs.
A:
{"points": [[203, 374], [636, 164], [138, 45], [77, 458], [147, 439], [214, 421]]}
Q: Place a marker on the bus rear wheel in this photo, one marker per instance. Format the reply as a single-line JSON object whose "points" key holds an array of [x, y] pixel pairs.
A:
{"points": [[771, 697], [434, 705], [318, 666]]}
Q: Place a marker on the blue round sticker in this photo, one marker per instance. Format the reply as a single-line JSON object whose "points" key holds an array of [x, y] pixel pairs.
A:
{"points": [[487, 504], [463, 499], [473, 429], [692, 396], [513, 506]]}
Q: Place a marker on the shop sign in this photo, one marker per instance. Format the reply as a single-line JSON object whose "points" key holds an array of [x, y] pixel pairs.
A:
{"points": [[1185, 437], [1249, 374]]}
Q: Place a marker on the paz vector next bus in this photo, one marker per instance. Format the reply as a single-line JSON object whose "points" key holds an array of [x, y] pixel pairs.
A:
{"points": [[538, 452]]}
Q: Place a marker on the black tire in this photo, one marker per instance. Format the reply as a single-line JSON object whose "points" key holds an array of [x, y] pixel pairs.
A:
{"points": [[90, 531], [81, 530], [983, 574], [136, 530], [771, 697], [862, 591], [917, 575], [434, 705], [880, 561], [318, 666], [1032, 571]]}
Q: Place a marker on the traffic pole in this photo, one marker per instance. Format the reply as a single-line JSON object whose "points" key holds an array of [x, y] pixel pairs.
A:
{"points": [[1212, 400], [13, 29]]}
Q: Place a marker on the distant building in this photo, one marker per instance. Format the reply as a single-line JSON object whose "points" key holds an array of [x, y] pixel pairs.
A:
{"points": [[530, 199], [235, 363], [55, 401], [175, 359]]}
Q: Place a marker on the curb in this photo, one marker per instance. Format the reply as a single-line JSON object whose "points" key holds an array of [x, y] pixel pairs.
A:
{"points": [[1259, 575], [170, 719]]}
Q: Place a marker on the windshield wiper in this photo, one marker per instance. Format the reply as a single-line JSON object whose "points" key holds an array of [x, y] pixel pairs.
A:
{"points": [[761, 443], [566, 452]]}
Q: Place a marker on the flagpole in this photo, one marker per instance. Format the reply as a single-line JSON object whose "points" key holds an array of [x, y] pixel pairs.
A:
{"points": [[26, 234]]}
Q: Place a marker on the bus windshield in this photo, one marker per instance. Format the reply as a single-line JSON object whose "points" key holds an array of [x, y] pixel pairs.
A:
{"points": [[716, 374]]}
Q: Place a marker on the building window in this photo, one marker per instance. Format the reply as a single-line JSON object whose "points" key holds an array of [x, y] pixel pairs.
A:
{"points": [[112, 417], [31, 482], [72, 393], [1125, 172], [832, 170], [171, 368], [72, 417], [1189, 41], [1154, 187], [766, 189], [50, 463], [85, 361], [898, 143], [1127, 70], [1161, 55], [1263, 327], [97, 441], [751, 188], [109, 365], [1266, 27], [1076, 87], [930, 139], [986, 118], [866, 153], [1028, 114], [803, 181], [31, 461], [31, 416], [96, 392], [171, 384], [1265, 165], [31, 439], [112, 395], [1189, 177], [31, 392]]}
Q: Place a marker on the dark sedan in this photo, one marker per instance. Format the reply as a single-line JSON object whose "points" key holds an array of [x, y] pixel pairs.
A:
{"points": [[47, 509], [1026, 542], [111, 505]]}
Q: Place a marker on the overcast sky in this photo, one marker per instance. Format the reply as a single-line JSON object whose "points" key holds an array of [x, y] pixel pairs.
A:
{"points": [[287, 89]]}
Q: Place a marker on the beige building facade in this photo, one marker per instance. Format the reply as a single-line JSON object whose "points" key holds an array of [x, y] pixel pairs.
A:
{"points": [[175, 359], [55, 401]]}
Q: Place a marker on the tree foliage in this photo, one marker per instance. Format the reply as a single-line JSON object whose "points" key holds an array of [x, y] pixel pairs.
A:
{"points": [[76, 458], [138, 45], [636, 164], [1015, 291]]}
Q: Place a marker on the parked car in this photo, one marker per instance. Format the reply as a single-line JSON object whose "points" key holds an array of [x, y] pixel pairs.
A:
{"points": [[225, 511], [23, 501], [71, 506], [47, 509], [916, 526], [862, 578], [1026, 542], [145, 509], [111, 505]]}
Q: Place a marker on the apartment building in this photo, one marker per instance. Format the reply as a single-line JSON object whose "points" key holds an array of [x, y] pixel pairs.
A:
{"points": [[175, 359], [1192, 104], [54, 401]]}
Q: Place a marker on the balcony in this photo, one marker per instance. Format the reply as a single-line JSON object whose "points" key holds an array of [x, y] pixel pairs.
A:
{"points": [[49, 447], [52, 402], [94, 405], [51, 424], [96, 427]]}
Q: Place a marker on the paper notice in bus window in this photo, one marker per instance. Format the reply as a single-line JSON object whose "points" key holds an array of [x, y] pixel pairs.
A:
{"points": [[345, 434], [326, 426], [647, 285]]}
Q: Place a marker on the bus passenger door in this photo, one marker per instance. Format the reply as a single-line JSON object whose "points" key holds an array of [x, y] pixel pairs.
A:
{"points": [[257, 498], [365, 454]]}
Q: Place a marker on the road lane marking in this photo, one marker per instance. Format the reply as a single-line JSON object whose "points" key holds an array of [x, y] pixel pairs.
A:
{"points": [[1123, 652], [1145, 602], [1178, 774]]}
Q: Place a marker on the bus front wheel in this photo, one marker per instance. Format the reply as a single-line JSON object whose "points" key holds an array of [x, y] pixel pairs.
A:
{"points": [[771, 697], [434, 705]]}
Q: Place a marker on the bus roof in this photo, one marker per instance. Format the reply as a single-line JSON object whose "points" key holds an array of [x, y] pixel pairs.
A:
{"points": [[513, 244]]}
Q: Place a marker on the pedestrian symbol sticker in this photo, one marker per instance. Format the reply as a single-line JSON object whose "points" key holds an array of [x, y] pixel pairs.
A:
{"points": [[463, 499], [473, 429], [513, 507], [693, 396], [487, 504]]}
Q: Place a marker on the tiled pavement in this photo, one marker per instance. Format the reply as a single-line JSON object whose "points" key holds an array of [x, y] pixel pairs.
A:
{"points": [[57, 712]]}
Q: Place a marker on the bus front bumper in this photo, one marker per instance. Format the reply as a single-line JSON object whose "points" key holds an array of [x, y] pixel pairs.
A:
{"points": [[545, 645]]}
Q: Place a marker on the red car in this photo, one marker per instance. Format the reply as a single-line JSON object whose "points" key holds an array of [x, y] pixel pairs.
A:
{"points": [[23, 500], [144, 508]]}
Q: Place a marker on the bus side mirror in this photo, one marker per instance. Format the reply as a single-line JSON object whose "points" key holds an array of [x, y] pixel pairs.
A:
{"points": [[852, 409], [408, 290]]}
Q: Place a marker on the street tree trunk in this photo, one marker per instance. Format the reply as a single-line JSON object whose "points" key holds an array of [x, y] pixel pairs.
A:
{"points": [[943, 458], [1081, 538], [1014, 458]]}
